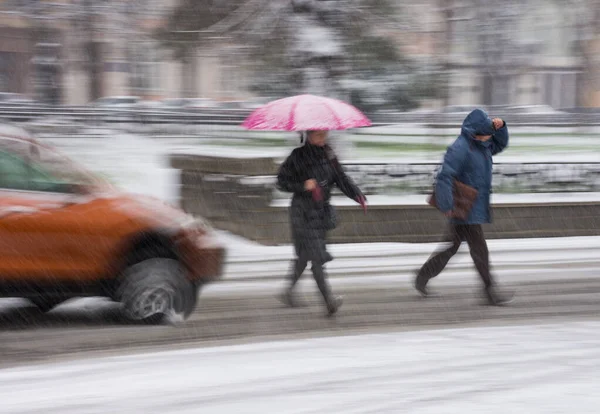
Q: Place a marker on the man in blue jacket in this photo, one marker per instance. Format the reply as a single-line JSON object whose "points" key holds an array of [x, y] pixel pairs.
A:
{"points": [[469, 160]]}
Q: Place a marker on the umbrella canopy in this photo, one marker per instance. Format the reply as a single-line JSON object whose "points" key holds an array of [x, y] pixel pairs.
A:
{"points": [[306, 112]]}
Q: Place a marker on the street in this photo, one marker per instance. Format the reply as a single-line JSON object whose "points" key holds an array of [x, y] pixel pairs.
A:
{"points": [[534, 368], [233, 315]]}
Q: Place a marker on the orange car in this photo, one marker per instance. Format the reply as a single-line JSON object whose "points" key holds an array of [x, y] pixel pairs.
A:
{"points": [[66, 233]]}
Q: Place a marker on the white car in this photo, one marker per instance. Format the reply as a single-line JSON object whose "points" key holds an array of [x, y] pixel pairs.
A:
{"points": [[255, 103], [461, 109], [14, 98], [174, 103], [197, 103], [118, 102], [534, 109]]}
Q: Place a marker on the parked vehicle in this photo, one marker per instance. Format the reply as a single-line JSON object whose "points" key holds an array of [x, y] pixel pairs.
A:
{"points": [[117, 102], [15, 99], [149, 104], [534, 109], [200, 103], [174, 103], [256, 102], [232, 104], [460, 109], [65, 233]]}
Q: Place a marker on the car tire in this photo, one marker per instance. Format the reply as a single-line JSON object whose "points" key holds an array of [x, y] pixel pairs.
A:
{"points": [[155, 291], [46, 304]]}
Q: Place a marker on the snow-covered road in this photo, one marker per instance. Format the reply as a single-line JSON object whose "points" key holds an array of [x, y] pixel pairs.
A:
{"points": [[526, 369]]}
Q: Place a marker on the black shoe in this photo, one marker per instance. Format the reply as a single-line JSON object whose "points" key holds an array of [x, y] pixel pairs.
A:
{"points": [[288, 298], [421, 287], [498, 298], [333, 304]]}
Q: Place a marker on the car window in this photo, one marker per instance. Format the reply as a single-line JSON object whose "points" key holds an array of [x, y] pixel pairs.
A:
{"points": [[13, 172], [17, 174], [27, 166], [56, 170]]}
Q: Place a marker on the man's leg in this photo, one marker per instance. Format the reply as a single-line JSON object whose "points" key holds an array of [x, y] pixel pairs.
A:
{"points": [[480, 254], [438, 261]]}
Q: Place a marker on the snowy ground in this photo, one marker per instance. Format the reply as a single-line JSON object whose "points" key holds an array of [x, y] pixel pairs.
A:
{"points": [[519, 369], [254, 267]]}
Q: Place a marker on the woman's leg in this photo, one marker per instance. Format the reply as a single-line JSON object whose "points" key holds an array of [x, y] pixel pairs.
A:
{"points": [[298, 267], [320, 277]]}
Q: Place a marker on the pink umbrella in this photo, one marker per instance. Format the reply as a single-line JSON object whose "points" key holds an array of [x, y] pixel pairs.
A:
{"points": [[306, 112]]}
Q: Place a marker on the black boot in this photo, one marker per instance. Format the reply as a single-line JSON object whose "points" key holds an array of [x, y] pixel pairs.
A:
{"points": [[289, 299], [333, 304], [498, 298], [286, 297], [421, 287]]}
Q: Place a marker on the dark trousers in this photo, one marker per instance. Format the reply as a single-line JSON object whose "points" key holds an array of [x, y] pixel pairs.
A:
{"points": [[473, 235], [298, 267]]}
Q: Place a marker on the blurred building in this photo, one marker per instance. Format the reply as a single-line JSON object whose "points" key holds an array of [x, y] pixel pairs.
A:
{"points": [[518, 52], [30, 61], [75, 51]]}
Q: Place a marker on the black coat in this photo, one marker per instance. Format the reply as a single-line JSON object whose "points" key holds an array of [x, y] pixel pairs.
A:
{"points": [[311, 219]]}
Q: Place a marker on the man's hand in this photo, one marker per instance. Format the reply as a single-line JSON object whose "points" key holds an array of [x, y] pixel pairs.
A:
{"points": [[448, 214], [498, 123], [310, 185]]}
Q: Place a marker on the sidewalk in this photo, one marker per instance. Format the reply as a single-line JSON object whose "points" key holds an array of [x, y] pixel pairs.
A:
{"points": [[497, 199], [253, 266], [241, 250]]}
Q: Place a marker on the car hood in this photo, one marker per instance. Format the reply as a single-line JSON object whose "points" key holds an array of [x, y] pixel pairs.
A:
{"points": [[154, 211]]}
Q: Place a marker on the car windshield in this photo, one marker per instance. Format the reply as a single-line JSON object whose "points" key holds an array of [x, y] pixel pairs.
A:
{"points": [[51, 165], [62, 168]]}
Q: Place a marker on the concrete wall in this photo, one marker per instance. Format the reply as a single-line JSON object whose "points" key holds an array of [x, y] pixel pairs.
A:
{"points": [[229, 193]]}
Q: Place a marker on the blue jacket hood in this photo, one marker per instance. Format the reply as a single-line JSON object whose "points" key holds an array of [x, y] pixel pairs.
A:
{"points": [[477, 122]]}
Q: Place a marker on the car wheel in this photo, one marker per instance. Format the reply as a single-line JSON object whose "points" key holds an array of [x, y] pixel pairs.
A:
{"points": [[46, 304], [156, 290]]}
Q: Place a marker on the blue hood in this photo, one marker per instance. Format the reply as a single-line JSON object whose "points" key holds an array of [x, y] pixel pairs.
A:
{"points": [[477, 123]]}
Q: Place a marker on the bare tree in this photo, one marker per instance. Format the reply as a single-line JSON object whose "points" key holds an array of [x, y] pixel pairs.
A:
{"points": [[310, 36]]}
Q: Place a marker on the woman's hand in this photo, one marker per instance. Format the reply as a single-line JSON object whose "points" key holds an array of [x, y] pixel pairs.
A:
{"points": [[310, 185], [362, 200]]}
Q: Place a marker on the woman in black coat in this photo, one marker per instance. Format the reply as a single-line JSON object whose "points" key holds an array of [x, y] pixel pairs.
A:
{"points": [[309, 173]]}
